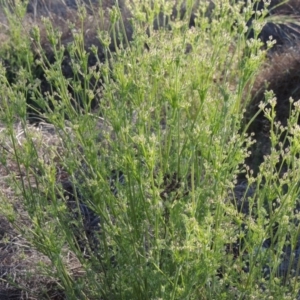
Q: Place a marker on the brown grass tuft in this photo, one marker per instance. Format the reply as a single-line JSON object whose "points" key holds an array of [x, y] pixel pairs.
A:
{"points": [[21, 274], [281, 74]]}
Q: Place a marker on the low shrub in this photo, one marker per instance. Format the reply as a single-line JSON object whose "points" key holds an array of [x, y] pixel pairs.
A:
{"points": [[141, 196]]}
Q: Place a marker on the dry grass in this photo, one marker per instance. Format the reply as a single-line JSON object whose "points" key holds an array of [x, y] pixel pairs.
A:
{"points": [[20, 264], [281, 75], [21, 273]]}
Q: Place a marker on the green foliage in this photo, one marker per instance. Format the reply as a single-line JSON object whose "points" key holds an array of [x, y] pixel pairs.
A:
{"points": [[170, 120], [16, 49]]}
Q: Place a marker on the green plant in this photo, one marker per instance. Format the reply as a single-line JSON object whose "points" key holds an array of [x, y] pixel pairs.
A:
{"points": [[157, 163]]}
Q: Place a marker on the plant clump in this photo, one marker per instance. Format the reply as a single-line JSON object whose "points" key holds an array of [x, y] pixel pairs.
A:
{"points": [[157, 191]]}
